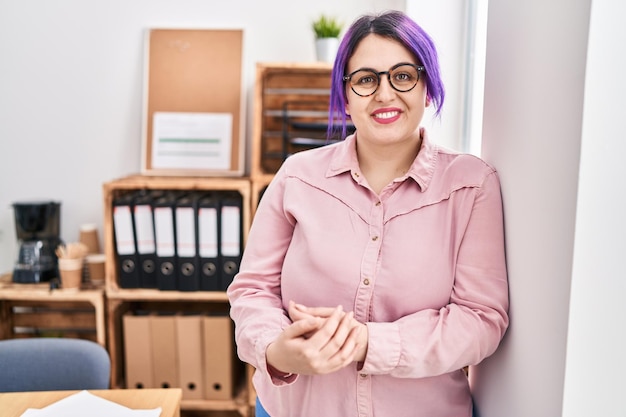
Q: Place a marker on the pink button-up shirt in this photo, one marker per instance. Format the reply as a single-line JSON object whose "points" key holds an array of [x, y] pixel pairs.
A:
{"points": [[422, 264]]}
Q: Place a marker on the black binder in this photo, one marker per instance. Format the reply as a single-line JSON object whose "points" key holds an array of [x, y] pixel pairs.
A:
{"points": [[165, 238], [208, 241], [144, 237], [231, 236], [125, 245], [188, 278]]}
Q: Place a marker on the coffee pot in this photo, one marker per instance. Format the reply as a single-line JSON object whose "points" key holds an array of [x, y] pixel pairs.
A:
{"points": [[37, 226]]}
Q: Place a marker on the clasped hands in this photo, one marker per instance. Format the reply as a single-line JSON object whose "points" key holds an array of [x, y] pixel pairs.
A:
{"points": [[320, 340]]}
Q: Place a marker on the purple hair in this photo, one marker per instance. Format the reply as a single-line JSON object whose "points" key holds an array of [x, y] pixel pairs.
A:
{"points": [[393, 25]]}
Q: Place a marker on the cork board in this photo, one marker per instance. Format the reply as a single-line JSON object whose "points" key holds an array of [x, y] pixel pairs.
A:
{"points": [[193, 78]]}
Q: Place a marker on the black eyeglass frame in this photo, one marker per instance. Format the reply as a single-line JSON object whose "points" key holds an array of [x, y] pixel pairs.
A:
{"points": [[419, 68]]}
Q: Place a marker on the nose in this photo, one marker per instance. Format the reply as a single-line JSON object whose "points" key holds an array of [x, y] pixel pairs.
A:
{"points": [[385, 91]]}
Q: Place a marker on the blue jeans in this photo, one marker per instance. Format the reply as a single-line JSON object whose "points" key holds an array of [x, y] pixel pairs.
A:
{"points": [[259, 411]]}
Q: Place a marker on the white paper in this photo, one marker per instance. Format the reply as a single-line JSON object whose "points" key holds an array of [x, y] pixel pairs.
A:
{"points": [[144, 229], [86, 404], [164, 231], [191, 140], [207, 228], [230, 231], [123, 224], [185, 232]]}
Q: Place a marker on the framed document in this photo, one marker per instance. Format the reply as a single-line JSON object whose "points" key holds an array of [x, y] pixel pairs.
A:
{"points": [[193, 112]]}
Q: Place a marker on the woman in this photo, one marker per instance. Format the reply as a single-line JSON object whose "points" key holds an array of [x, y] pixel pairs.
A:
{"points": [[374, 271]]}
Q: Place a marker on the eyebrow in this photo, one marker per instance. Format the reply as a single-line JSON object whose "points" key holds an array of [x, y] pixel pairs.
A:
{"points": [[375, 70]]}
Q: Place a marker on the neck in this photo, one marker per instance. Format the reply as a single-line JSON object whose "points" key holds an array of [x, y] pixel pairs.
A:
{"points": [[382, 164]]}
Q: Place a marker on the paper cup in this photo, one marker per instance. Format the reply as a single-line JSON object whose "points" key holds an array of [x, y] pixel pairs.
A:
{"points": [[95, 267], [89, 237], [71, 272]]}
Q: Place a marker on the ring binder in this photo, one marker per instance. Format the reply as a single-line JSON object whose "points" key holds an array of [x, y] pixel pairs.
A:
{"points": [[125, 246], [186, 242], [144, 232], [208, 240], [231, 237], [165, 240]]}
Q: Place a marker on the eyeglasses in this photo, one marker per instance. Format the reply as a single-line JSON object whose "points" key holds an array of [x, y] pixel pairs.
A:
{"points": [[402, 77]]}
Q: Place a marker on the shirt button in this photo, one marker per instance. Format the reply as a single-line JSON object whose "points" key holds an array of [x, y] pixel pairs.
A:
{"points": [[363, 375], [366, 281], [374, 238], [378, 203]]}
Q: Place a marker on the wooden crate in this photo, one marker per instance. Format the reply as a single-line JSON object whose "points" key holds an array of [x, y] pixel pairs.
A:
{"points": [[290, 112], [121, 300], [33, 310], [125, 301], [115, 188]]}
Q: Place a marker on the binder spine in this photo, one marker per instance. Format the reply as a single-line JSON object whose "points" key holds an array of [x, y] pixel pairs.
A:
{"points": [[187, 243], [208, 242], [125, 245], [231, 237], [165, 238], [145, 238]]}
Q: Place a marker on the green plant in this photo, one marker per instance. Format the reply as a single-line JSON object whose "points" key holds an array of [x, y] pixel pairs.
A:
{"points": [[327, 27]]}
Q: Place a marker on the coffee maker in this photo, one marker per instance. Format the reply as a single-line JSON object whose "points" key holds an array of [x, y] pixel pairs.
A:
{"points": [[37, 229]]}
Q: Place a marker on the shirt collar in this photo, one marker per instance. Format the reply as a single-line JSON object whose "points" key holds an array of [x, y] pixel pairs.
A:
{"points": [[421, 170]]}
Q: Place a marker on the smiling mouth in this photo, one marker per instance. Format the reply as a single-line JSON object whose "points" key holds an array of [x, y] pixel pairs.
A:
{"points": [[386, 115]]}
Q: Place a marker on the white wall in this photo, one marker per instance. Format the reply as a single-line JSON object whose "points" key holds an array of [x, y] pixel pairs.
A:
{"points": [[596, 363], [446, 22], [562, 190], [71, 88]]}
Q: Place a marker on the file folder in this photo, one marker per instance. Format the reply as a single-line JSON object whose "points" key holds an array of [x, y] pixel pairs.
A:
{"points": [[221, 369], [231, 237], [137, 351], [208, 241], [186, 242], [164, 351], [144, 233], [125, 246], [190, 358], [165, 241]]}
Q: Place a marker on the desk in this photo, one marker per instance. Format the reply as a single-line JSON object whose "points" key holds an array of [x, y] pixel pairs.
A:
{"points": [[13, 404]]}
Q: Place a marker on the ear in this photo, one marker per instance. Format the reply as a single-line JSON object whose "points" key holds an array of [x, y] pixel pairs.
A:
{"points": [[347, 106], [427, 103]]}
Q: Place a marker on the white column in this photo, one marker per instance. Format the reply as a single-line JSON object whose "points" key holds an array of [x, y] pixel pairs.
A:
{"points": [[596, 348], [533, 107]]}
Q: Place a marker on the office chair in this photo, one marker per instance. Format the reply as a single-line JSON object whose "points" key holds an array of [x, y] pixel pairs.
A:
{"points": [[51, 364]]}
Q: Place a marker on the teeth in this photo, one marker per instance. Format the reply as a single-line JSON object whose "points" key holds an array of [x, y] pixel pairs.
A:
{"points": [[386, 115]]}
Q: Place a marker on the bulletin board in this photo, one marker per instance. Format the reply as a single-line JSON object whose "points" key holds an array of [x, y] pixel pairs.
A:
{"points": [[193, 111]]}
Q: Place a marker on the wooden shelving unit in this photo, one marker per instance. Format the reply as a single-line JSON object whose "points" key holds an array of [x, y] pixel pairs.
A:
{"points": [[121, 300], [290, 113], [33, 310]]}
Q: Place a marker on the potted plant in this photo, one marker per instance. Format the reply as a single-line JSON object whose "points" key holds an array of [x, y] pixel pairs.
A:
{"points": [[327, 30]]}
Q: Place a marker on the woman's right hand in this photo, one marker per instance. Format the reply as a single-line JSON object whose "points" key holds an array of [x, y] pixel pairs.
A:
{"points": [[315, 345]]}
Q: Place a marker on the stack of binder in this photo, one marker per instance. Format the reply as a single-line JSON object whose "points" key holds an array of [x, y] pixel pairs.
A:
{"points": [[174, 240]]}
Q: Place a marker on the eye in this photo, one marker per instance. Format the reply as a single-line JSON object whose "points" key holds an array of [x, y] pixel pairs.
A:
{"points": [[367, 78], [403, 77]]}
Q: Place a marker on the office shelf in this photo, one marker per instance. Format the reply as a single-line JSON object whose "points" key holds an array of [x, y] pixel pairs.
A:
{"points": [[123, 300], [33, 310]]}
